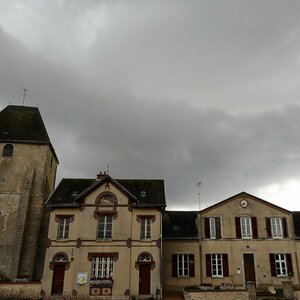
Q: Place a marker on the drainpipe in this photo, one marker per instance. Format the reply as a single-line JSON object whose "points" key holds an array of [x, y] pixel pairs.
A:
{"points": [[200, 247], [130, 253], [161, 258]]}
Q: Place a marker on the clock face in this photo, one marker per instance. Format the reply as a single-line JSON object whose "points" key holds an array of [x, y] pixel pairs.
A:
{"points": [[244, 203]]}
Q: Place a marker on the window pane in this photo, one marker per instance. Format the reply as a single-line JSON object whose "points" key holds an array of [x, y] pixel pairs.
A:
{"points": [[63, 228], [145, 228], [212, 225], [102, 267], [246, 229], [182, 265], [216, 265], [280, 264], [104, 227], [276, 227]]}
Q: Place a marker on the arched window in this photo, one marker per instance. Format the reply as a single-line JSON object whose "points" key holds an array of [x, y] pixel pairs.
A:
{"points": [[8, 150], [61, 257], [106, 198], [145, 258]]}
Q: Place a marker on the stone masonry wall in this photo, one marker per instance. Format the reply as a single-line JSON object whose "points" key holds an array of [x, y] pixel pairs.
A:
{"points": [[224, 295], [21, 290], [26, 179]]}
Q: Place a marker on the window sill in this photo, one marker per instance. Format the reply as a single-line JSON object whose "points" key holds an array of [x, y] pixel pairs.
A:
{"points": [[104, 240]]}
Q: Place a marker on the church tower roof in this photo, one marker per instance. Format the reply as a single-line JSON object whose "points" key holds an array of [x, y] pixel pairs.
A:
{"points": [[23, 124]]}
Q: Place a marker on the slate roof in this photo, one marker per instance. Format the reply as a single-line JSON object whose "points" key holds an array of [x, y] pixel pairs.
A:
{"points": [[146, 191], [180, 225], [23, 124], [142, 192]]}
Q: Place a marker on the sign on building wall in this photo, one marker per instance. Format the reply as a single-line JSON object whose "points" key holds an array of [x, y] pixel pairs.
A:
{"points": [[82, 277]]}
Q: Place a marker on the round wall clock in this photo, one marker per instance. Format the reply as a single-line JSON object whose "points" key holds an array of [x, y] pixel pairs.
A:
{"points": [[244, 203]]}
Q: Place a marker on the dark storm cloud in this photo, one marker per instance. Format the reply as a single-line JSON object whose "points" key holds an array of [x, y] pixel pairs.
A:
{"points": [[207, 52], [202, 92]]}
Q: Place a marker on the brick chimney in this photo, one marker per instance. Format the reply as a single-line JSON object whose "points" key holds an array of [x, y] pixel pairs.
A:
{"points": [[101, 175]]}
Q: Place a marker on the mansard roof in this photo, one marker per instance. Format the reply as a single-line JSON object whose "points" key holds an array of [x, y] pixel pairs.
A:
{"points": [[141, 192], [180, 225], [23, 124]]}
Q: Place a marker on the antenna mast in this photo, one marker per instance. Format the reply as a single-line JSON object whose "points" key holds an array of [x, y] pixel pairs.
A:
{"points": [[199, 194], [24, 95]]}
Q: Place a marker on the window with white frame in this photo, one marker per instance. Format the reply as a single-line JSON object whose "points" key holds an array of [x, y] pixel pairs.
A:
{"points": [[145, 228], [104, 227], [182, 265], [216, 265], [276, 227], [212, 228], [280, 264], [102, 267], [63, 228], [246, 228]]}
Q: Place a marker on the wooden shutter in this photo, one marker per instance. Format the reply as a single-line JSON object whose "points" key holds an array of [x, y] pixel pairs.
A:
{"points": [[254, 227], [225, 265], [284, 227], [218, 228], [268, 228], [191, 265], [238, 228], [272, 264], [206, 228], [289, 264], [208, 265], [174, 265]]}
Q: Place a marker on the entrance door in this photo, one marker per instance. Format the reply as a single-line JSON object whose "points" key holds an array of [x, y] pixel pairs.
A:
{"points": [[58, 279], [249, 267], [144, 285]]}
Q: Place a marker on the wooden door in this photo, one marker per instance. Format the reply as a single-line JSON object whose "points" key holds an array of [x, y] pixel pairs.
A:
{"points": [[249, 267], [58, 279], [144, 279]]}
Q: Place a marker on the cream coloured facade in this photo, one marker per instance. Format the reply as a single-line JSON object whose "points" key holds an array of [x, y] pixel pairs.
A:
{"points": [[256, 242], [256, 238], [242, 239], [106, 241]]}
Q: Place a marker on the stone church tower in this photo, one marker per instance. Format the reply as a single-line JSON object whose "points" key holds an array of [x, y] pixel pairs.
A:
{"points": [[27, 176]]}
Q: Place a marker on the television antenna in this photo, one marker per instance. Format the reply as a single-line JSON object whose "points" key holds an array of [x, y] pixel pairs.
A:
{"points": [[24, 95]]}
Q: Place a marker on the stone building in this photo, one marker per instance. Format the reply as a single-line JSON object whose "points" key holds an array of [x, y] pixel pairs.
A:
{"points": [[248, 239], [242, 239], [27, 175], [105, 237]]}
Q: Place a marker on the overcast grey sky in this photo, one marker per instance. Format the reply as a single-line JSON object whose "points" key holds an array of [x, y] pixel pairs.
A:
{"points": [[187, 91]]}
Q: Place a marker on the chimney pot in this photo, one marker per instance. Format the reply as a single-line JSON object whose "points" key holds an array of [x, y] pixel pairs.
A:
{"points": [[101, 175]]}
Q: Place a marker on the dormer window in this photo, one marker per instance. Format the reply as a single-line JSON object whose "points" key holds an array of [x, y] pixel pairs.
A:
{"points": [[8, 150], [74, 194]]}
